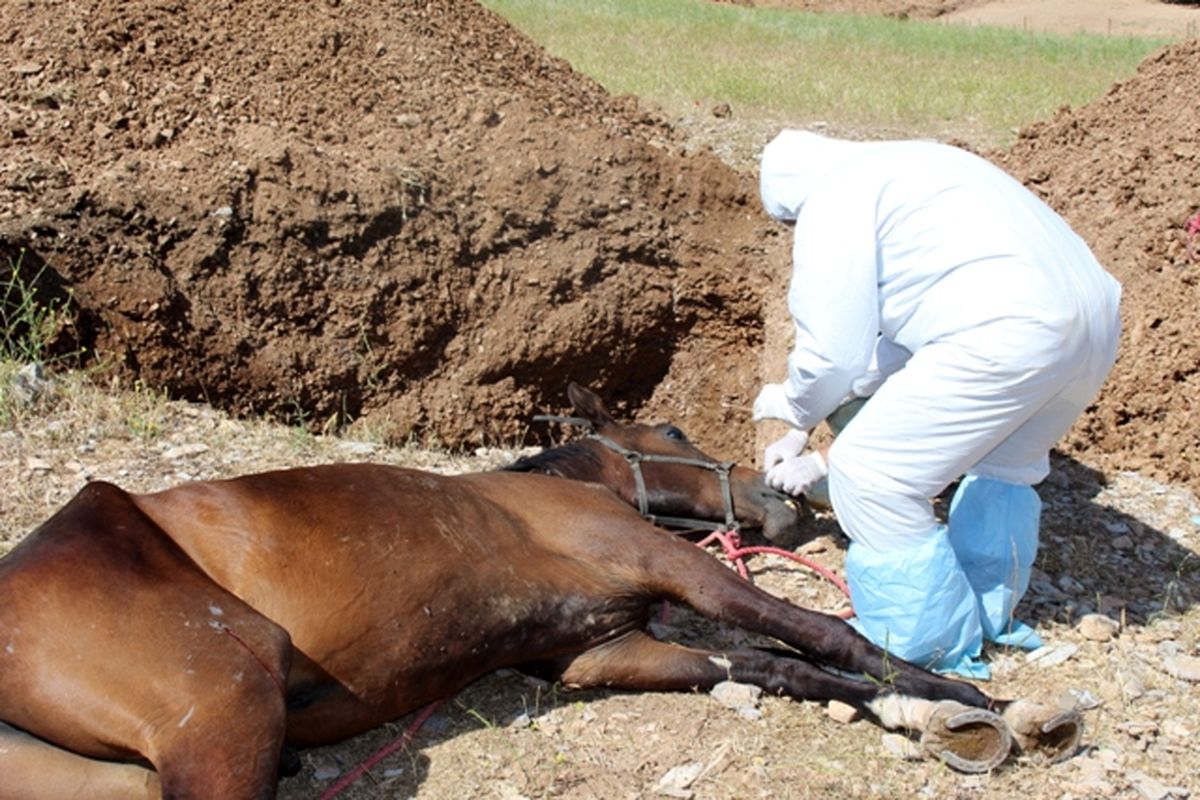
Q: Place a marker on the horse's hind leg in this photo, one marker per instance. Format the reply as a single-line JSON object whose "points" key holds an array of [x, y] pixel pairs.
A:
{"points": [[117, 646], [968, 739], [36, 770]]}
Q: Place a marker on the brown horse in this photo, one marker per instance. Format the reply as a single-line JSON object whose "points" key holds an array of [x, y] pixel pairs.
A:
{"points": [[169, 644]]}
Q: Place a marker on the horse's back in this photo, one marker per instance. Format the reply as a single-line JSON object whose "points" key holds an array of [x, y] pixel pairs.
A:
{"points": [[338, 521]]}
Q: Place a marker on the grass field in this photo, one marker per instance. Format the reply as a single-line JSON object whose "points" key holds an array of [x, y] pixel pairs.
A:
{"points": [[866, 73]]}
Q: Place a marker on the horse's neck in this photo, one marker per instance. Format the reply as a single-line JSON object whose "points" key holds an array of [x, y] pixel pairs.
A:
{"points": [[582, 460]]}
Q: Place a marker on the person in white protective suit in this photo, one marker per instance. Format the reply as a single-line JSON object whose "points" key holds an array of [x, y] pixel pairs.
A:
{"points": [[980, 326]]}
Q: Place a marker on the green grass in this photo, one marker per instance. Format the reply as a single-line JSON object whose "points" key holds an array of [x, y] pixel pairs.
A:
{"points": [[865, 72], [27, 324]]}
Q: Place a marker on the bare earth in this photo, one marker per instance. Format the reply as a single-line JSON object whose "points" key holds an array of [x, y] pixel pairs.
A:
{"points": [[406, 221], [1112, 17]]}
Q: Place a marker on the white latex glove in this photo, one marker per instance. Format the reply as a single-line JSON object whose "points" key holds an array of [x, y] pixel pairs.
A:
{"points": [[772, 403], [790, 445], [798, 474]]}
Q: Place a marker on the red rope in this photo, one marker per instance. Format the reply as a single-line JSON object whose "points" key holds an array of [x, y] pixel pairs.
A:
{"points": [[385, 751], [1193, 230], [731, 544]]}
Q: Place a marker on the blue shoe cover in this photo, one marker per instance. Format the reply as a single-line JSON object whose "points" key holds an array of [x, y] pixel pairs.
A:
{"points": [[915, 602], [1018, 635], [994, 533], [965, 667]]}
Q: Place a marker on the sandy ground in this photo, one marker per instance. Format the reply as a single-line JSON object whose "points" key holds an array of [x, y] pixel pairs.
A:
{"points": [[1113, 17]]}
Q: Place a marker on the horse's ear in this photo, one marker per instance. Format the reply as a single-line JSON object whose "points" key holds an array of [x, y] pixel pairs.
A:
{"points": [[589, 405]]}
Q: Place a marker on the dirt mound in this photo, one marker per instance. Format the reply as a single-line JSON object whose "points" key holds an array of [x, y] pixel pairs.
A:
{"points": [[405, 212], [1125, 172]]}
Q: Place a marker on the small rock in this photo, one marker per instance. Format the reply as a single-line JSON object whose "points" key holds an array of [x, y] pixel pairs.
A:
{"points": [[1098, 627], [29, 384], [737, 696], [677, 780], [357, 448], [1139, 729], [508, 791], [1092, 788], [902, 747], [326, 770], [1176, 728], [38, 464], [1070, 585], [722, 110], [1183, 667], [1091, 769], [1151, 788], [1051, 655], [1079, 699], [841, 712], [1132, 687], [185, 450]]}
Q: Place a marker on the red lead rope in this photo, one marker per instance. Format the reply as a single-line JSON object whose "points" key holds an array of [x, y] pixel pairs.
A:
{"points": [[1193, 230], [400, 741], [731, 544]]}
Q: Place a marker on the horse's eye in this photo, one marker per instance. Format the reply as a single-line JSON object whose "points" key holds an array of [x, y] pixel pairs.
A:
{"points": [[672, 432]]}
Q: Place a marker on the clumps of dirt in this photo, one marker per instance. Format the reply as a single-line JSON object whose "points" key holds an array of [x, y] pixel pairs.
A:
{"points": [[1125, 172], [409, 215], [404, 213]]}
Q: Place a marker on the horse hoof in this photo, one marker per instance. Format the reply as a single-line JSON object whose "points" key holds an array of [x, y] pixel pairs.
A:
{"points": [[966, 739], [1044, 734]]}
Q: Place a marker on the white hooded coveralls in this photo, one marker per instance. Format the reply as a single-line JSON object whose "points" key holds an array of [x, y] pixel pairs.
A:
{"points": [[1012, 325]]}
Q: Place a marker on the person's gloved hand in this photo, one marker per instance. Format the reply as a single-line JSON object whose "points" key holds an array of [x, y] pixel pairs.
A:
{"points": [[790, 445], [798, 474], [772, 403]]}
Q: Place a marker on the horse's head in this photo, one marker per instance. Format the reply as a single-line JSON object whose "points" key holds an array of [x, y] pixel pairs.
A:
{"points": [[671, 481]]}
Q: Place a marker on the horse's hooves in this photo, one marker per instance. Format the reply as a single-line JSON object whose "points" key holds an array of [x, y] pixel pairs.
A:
{"points": [[966, 739], [1045, 734]]}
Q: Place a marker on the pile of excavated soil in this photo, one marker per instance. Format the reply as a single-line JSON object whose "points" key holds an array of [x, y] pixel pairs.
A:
{"points": [[404, 212], [1125, 172]]}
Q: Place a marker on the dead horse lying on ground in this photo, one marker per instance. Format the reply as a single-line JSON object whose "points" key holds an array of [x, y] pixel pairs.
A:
{"points": [[195, 630]]}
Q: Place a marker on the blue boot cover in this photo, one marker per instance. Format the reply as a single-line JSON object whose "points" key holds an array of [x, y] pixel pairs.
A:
{"points": [[994, 532], [917, 604]]}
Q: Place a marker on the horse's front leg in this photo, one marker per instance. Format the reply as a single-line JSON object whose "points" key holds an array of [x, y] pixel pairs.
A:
{"points": [[968, 739], [684, 573]]}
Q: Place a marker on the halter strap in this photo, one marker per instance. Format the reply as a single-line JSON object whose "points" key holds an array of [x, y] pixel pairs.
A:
{"points": [[635, 459]]}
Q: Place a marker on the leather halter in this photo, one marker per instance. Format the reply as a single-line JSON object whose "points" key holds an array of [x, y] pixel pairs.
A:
{"points": [[635, 460]]}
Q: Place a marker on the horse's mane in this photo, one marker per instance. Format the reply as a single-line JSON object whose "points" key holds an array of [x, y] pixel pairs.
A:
{"points": [[562, 460]]}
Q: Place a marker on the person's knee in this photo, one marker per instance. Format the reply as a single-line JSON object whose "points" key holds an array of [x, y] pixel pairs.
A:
{"points": [[874, 509]]}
